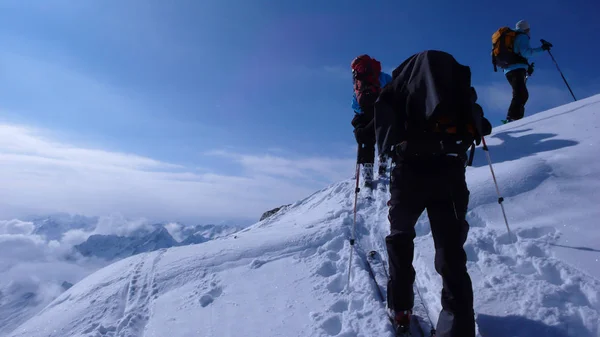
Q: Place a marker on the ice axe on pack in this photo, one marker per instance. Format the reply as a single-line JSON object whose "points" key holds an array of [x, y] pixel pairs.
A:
{"points": [[549, 45]]}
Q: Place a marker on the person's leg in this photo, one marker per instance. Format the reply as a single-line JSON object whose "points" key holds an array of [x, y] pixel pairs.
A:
{"points": [[447, 209], [405, 206], [367, 161], [520, 94]]}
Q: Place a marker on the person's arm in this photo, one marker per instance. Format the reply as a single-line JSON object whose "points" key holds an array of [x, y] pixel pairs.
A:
{"points": [[365, 134], [525, 49], [387, 121], [482, 124], [355, 105], [485, 127]]}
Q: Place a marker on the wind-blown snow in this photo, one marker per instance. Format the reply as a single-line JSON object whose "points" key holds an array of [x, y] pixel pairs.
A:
{"points": [[286, 275]]}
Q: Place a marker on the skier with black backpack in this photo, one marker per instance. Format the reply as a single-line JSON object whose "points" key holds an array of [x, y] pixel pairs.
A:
{"points": [[425, 120], [511, 51], [368, 80]]}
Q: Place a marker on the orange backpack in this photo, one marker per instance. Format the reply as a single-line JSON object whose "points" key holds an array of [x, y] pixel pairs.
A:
{"points": [[503, 55]]}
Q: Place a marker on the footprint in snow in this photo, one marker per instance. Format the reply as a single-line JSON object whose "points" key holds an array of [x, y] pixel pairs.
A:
{"points": [[357, 304], [210, 296], [475, 220], [506, 239], [336, 285], [333, 256], [336, 244], [327, 269], [339, 306], [548, 271], [206, 293], [531, 249], [332, 325]]}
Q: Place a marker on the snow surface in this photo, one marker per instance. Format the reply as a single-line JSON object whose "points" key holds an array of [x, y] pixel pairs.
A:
{"points": [[286, 275]]}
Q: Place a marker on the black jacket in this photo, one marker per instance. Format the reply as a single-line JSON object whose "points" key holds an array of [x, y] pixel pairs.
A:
{"points": [[422, 83]]}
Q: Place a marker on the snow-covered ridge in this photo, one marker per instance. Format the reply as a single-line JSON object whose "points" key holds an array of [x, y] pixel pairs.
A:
{"points": [[286, 275]]}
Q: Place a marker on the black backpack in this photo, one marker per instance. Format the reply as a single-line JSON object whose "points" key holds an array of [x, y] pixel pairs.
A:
{"points": [[434, 92]]}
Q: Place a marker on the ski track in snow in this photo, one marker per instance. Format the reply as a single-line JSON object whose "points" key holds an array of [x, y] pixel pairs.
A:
{"points": [[135, 303]]}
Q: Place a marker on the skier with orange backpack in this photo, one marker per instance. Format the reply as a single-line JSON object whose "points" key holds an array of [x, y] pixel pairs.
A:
{"points": [[511, 51], [368, 80]]}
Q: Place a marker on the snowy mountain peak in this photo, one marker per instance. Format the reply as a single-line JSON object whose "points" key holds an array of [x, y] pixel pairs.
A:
{"points": [[53, 227]]}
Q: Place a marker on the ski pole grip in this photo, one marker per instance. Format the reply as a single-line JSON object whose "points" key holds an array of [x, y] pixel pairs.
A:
{"points": [[546, 42]]}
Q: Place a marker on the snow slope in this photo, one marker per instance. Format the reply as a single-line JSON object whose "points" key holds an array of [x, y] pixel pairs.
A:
{"points": [[41, 258], [286, 275]]}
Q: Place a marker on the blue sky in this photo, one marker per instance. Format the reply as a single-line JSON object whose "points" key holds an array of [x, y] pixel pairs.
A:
{"points": [[239, 94]]}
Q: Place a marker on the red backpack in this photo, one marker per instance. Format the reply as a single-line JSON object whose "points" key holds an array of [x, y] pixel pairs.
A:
{"points": [[365, 75]]}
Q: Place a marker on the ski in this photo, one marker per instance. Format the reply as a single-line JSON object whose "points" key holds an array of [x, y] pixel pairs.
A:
{"points": [[415, 329], [374, 278]]}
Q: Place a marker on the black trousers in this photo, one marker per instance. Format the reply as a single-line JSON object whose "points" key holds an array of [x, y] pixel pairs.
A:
{"points": [[520, 95], [438, 186]]}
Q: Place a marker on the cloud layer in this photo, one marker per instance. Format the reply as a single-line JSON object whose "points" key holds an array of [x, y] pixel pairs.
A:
{"points": [[43, 175]]}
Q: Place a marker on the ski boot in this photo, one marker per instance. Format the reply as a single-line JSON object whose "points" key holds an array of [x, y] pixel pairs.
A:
{"points": [[382, 170], [401, 323], [368, 176]]}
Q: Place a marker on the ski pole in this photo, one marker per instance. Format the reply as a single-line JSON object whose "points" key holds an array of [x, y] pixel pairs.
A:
{"points": [[500, 198], [356, 190], [556, 64]]}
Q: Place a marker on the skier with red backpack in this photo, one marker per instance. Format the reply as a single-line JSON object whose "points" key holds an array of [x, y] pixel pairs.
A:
{"points": [[368, 80], [426, 119], [511, 52]]}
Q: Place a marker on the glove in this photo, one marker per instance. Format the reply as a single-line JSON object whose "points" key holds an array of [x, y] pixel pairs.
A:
{"points": [[359, 135], [546, 45], [486, 127], [530, 69], [357, 120]]}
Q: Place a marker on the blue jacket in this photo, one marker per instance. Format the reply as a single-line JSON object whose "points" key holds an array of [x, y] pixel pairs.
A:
{"points": [[383, 80], [523, 48]]}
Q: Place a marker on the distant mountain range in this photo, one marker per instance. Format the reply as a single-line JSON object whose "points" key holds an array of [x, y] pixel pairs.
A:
{"points": [[111, 247]]}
